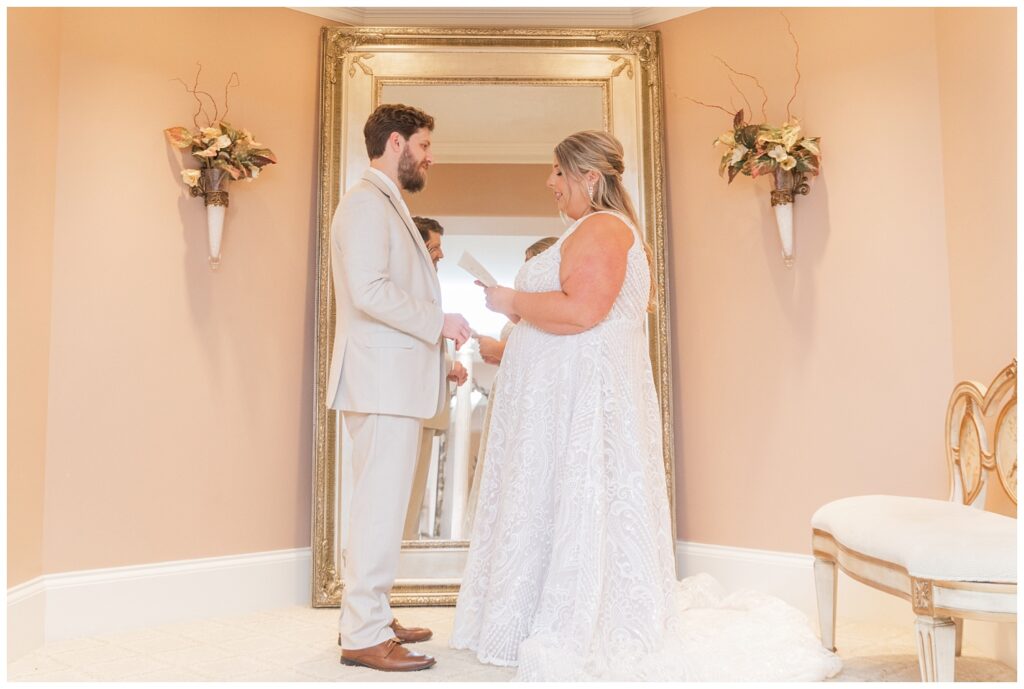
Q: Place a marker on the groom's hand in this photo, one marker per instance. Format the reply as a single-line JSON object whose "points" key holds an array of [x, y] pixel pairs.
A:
{"points": [[455, 328], [458, 374]]}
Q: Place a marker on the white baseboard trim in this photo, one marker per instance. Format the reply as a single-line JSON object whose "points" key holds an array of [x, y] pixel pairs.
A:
{"points": [[790, 576], [105, 601], [786, 575], [26, 615]]}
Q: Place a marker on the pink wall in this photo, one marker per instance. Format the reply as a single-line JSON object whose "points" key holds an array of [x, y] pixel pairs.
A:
{"points": [[485, 189], [31, 164], [977, 88], [180, 413], [795, 387]]}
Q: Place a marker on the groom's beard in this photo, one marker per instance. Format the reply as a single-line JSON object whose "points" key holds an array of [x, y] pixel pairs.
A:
{"points": [[410, 175]]}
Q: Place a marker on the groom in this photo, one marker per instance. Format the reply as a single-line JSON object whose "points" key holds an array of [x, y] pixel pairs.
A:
{"points": [[387, 374]]}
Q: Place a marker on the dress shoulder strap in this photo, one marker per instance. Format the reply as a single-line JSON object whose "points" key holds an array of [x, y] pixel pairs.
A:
{"points": [[620, 216]]}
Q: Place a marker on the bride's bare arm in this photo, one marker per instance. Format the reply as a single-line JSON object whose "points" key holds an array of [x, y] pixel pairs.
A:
{"points": [[593, 268]]}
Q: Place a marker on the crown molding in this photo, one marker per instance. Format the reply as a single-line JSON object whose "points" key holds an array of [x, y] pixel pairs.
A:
{"points": [[595, 17], [342, 15]]}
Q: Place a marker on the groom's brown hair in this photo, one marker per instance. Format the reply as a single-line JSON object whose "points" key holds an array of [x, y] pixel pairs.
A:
{"points": [[426, 226], [393, 117]]}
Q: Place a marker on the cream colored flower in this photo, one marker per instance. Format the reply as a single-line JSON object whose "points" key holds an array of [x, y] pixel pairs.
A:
{"points": [[223, 141], [737, 154], [728, 139], [768, 135], [247, 136], [790, 136], [210, 133], [179, 137], [778, 153], [811, 145], [210, 152], [191, 177], [787, 163]]}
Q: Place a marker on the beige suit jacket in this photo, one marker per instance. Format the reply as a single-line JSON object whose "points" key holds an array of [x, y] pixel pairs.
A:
{"points": [[387, 356]]}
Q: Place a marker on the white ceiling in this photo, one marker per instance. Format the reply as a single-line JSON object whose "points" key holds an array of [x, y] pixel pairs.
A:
{"points": [[589, 17]]}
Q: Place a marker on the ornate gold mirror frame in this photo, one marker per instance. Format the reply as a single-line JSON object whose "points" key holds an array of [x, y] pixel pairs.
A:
{"points": [[356, 63]]}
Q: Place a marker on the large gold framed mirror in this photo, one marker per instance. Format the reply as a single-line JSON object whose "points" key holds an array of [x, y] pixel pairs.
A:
{"points": [[501, 99]]}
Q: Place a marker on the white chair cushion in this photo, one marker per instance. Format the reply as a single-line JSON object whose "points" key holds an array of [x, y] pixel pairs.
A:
{"points": [[932, 539]]}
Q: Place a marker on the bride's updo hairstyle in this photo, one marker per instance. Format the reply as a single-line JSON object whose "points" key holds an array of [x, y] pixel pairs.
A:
{"points": [[601, 152]]}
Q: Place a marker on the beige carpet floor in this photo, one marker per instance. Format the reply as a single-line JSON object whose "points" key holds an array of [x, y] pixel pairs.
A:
{"points": [[299, 644]]}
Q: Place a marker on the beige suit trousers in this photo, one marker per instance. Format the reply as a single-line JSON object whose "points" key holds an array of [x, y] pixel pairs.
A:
{"points": [[384, 450], [419, 485]]}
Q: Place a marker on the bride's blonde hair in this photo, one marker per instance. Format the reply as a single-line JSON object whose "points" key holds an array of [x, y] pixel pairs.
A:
{"points": [[601, 152]]}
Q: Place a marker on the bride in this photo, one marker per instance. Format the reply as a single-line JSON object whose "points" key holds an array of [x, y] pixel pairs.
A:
{"points": [[571, 572]]}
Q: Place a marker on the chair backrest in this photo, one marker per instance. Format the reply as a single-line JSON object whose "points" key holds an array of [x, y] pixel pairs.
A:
{"points": [[981, 437]]}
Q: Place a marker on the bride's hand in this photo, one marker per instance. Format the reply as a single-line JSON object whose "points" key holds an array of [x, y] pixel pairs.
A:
{"points": [[499, 299]]}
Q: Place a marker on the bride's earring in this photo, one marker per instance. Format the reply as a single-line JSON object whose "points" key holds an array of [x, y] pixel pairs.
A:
{"points": [[590, 190]]}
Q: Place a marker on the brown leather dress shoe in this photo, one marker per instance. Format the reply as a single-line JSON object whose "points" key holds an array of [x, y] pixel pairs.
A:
{"points": [[410, 635], [406, 635], [388, 656]]}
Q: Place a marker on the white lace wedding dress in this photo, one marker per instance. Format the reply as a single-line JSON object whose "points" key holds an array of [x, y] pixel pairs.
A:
{"points": [[571, 570]]}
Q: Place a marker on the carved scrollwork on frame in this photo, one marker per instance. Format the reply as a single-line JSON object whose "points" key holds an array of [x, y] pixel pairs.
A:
{"points": [[623, 63], [640, 43], [339, 44], [326, 576], [357, 61]]}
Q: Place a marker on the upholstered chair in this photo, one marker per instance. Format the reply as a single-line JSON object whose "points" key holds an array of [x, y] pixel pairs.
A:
{"points": [[951, 559]]}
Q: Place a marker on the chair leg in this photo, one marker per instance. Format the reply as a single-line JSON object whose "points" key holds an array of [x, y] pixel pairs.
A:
{"points": [[825, 577], [936, 648], [959, 622]]}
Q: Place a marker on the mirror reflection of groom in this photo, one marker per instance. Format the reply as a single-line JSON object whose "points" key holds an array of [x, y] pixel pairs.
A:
{"points": [[387, 374], [431, 231]]}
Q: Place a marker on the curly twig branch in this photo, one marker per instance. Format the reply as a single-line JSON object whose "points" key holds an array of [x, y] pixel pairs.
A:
{"points": [[706, 105], [234, 77], [749, 109], [195, 94], [196, 114], [672, 92], [212, 101], [789, 28], [749, 76]]}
